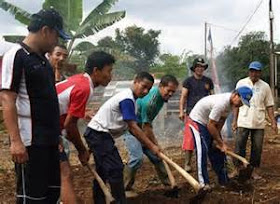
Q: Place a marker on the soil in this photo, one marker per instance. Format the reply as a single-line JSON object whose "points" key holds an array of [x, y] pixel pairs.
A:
{"points": [[265, 190]]}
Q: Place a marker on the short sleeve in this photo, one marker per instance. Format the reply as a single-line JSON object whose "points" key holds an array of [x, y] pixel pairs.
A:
{"points": [[78, 102], [148, 111], [216, 112], [187, 83], [12, 70], [127, 108], [211, 84], [268, 101]]}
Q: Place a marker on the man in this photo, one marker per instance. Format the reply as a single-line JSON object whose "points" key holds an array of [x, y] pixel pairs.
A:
{"points": [[148, 108], [74, 94], [113, 118], [31, 111], [194, 88], [251, 120], [57, 58], [206, 121]]}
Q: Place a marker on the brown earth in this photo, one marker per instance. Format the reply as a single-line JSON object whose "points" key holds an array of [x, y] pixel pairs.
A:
{"points": [[266, 190]]}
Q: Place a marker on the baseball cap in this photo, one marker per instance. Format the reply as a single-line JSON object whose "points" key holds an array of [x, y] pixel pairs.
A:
{"points": [[246, 94], [50, 18], [199, 61], [256, 65]]}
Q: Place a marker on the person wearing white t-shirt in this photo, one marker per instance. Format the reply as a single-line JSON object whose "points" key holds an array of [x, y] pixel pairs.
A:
{"points": [[206, 121], [115, 116], [251, 120]]}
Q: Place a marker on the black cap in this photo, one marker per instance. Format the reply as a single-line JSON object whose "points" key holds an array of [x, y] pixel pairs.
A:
{"points": [[199, 61], [50, 18]]}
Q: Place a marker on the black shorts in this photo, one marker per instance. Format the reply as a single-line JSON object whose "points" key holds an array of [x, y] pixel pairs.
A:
{"points": [[38, 180]]}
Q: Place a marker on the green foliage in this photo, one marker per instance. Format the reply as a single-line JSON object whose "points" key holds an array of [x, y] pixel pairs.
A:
{"points": [[232, 63], [14, 38], [21, 15], [170, 64]]}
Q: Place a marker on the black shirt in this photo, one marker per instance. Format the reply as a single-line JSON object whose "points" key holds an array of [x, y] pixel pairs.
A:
{"points": [[197, 89], [37, 102]]}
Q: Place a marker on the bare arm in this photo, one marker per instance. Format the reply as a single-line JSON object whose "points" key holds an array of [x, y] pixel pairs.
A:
{"points": [[214, 129], [235, 112], [140, 135], [270, 112], [183, 99], [73, 135], [17, 148], [148, 130]]}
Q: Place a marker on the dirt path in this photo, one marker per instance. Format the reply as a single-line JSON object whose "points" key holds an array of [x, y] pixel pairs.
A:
{"points": [[266, 190]]}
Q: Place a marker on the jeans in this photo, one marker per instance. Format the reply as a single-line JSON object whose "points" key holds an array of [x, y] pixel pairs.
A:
{"points": [[256, 144], [136, 152]]}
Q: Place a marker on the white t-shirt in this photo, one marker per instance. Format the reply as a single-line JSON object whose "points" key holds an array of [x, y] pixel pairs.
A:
{"points": [[212, 107], [253, 117], [113, 114]]}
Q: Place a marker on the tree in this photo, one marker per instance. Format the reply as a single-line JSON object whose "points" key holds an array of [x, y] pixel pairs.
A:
{"points": [[72, 13], [143, 46], [170, 64], [233, 62]]}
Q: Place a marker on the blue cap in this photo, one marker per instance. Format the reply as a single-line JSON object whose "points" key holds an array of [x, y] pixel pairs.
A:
{"points": [[256, 66], [246, 94]]}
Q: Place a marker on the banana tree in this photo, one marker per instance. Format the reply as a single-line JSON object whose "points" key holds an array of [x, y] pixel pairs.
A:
{"points": [[72, 12]]}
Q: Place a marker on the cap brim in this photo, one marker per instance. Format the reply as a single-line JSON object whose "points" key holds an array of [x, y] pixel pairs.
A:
{"points": [[257, 69], [63, 35], [245, 102]]}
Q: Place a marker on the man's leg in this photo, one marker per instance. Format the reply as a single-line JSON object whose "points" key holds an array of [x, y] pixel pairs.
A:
{"points": [[32, 177], [109, 165], [135, 161], [201, 154], [54, 175], [240, 143], [256, 150], [159, 166]]}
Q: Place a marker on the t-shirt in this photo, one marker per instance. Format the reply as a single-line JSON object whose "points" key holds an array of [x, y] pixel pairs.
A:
{"points": [[74, 94], [214, 107], [197, 89], [253, 117], [31, 76], [149, 106], [113, 114]]}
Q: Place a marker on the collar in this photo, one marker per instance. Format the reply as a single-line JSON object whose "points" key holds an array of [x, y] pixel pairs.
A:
{"points": [[29, 51], [90, 81]]}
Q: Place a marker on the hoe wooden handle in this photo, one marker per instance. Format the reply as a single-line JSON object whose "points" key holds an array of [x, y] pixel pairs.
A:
{"points": [[240, 158], [187, 176], [108, 196], [170, 175]]}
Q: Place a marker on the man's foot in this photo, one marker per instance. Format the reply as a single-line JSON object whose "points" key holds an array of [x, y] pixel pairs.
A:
{"points": [[256, 176], [233, 174], [131, 194], [207, 188], [188, 168]]}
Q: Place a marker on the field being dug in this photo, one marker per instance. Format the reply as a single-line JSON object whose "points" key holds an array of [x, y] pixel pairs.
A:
{"points": [[150, 190]]}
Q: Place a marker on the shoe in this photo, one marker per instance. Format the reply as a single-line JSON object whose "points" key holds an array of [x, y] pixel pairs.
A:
{"points": [[207, 188], [131, 194]]}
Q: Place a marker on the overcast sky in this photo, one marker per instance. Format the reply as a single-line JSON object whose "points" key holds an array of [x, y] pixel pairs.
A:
{"points": [[181, 21]]}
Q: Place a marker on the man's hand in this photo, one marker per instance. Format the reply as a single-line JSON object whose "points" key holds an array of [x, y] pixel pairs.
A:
{"points": [[18, 152], [156, 150], [274, 127], [84, 157], [223, 147], [234, 126], [182, 116]]}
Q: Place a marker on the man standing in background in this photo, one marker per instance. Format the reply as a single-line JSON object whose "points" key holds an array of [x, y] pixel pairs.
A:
{"points": [[251, 120], [31, 111], [57, 58], [194, 88]]}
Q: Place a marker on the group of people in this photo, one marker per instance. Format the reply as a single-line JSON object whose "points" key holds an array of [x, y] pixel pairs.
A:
{"points": [[204, 115], [41, 109]]}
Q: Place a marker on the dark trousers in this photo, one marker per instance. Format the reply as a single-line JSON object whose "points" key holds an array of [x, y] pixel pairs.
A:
{"points": [[256, 144], [38, 180], [204, 147], [108, 163]]}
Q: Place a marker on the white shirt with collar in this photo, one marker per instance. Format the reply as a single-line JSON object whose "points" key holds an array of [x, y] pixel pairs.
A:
{"points": [[253, 117]]}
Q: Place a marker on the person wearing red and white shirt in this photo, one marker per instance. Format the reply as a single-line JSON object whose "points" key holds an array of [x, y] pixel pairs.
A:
{"points": [[74, 94]]}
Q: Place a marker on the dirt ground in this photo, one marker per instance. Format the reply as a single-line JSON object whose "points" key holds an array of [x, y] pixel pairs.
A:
{"points": [[266, 190]]}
